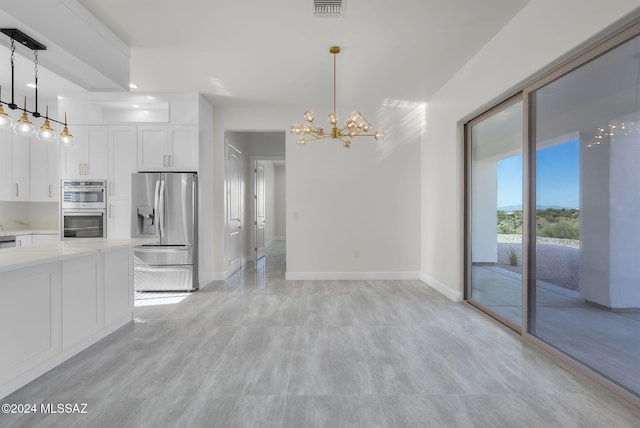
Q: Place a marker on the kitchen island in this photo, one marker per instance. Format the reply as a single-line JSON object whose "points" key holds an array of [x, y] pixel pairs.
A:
{"points": [[58, 299]]}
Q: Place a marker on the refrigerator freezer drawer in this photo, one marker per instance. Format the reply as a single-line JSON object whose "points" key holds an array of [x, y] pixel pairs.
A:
{"points": [[164, 278], [161, 255]]}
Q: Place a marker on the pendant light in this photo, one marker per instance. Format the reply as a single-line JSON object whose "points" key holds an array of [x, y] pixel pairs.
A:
{"points": [[65, 138], [23, 126], [5, 119], [46, 133]]}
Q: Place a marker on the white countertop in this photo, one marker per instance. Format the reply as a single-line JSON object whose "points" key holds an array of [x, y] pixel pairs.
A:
{"points": [[22, 257]]}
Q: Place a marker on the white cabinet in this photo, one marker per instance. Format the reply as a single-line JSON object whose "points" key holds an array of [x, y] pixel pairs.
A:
{"points": [[30, 315], [119, 219], [168, 148], [123, 155], [21, 183], [23, 240], [45, 176], [81, 299], [6, 170], [87, 157], [14, 167], [118, 286]]}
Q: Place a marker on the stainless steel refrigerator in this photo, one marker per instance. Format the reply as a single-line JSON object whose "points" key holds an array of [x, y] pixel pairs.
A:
{"points": [[164, 206]]}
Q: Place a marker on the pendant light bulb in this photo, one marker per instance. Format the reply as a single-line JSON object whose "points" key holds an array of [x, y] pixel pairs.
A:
{"points": [[65, 138], [46, 132], [5, 119], [23, 126]]}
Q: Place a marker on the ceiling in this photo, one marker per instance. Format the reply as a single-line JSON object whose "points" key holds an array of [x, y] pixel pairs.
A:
{"points": [[275, 54]]}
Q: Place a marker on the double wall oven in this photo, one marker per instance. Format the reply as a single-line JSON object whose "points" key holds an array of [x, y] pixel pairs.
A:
{"points": [[84, 208]]}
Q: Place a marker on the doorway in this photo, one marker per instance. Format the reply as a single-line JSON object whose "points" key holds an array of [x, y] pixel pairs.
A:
{"points": [[255, 195]]}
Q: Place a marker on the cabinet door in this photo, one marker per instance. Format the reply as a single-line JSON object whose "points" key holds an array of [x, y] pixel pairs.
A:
{"points": [[183, 150], [123, 155], [5, 164], [97, 140], [118, 286], [81, 299], [152, 148], [119, 219], [21, 181], [45, 160], [23, 241], [87, 157], [74, 157]]}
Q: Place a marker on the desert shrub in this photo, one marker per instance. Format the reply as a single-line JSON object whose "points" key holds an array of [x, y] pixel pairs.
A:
{"points": [[514, 259], [562, 230]]}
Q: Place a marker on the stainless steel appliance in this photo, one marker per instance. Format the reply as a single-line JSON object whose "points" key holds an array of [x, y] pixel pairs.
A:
{"points": [[164, 206], [84, 208], [7, 241]]}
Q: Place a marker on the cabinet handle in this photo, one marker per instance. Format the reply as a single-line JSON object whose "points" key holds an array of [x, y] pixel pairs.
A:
{"points": [[17, 190], [86, 169], [80, 169], [169, 156], [110, 211], [49, 190]]}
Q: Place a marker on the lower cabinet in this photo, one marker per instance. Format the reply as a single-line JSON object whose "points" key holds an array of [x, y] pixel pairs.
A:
{"points": [[54, 310], [81, 312], [30, 316], [118, 286], [23, 241]]}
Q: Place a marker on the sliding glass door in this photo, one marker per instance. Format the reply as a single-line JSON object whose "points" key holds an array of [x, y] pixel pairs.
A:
{"points": [[585, 291], [574, 285], [494, 154]]}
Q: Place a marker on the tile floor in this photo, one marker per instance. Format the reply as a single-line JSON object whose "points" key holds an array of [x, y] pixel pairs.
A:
{"points": [[606, 340], [259, 351]]}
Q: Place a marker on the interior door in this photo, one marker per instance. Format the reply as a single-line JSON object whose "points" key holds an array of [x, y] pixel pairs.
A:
{"points": [[234, 208], [260, 217]]}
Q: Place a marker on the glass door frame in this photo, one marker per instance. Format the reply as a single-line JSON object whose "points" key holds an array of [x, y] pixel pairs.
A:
{"points": [[517, 98]]}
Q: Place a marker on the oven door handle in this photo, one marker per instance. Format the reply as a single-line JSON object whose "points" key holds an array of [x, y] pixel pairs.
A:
{"points": [[82, 214]]}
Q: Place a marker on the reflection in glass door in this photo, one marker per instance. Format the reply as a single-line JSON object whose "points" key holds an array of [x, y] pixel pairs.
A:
{"points": [[585, 298], [494, 217]]}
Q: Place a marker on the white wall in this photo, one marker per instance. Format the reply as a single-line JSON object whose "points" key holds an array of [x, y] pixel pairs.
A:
{"points": [[350, 212], [543, 32]]}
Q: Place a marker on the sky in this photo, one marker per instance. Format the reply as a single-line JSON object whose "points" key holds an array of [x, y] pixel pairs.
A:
{"points": [[558, 178]]}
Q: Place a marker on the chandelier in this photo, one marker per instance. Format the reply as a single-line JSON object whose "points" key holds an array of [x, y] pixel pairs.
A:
{"points": [[23, 126], [355, 126]]}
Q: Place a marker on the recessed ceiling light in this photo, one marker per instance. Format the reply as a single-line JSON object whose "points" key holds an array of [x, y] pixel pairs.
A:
{"points": [[31, 85], [135, 105], [133, 86]]}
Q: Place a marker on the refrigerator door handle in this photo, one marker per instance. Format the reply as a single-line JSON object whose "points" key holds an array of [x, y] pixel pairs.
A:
{"points": [[156, 213], [162, 210]]}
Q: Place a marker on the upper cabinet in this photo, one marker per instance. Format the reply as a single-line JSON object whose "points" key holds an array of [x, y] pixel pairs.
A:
{"points": [[123, 152], [45, 171], [87, 157], [15, 167], [168, 148]]}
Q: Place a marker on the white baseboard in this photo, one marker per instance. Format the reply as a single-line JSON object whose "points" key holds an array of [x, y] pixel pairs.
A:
{"points": [[336, 276], [456, 296]]}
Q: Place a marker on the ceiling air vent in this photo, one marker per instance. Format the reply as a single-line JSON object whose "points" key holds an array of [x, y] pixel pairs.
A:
{"points": [[328, 8]]}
